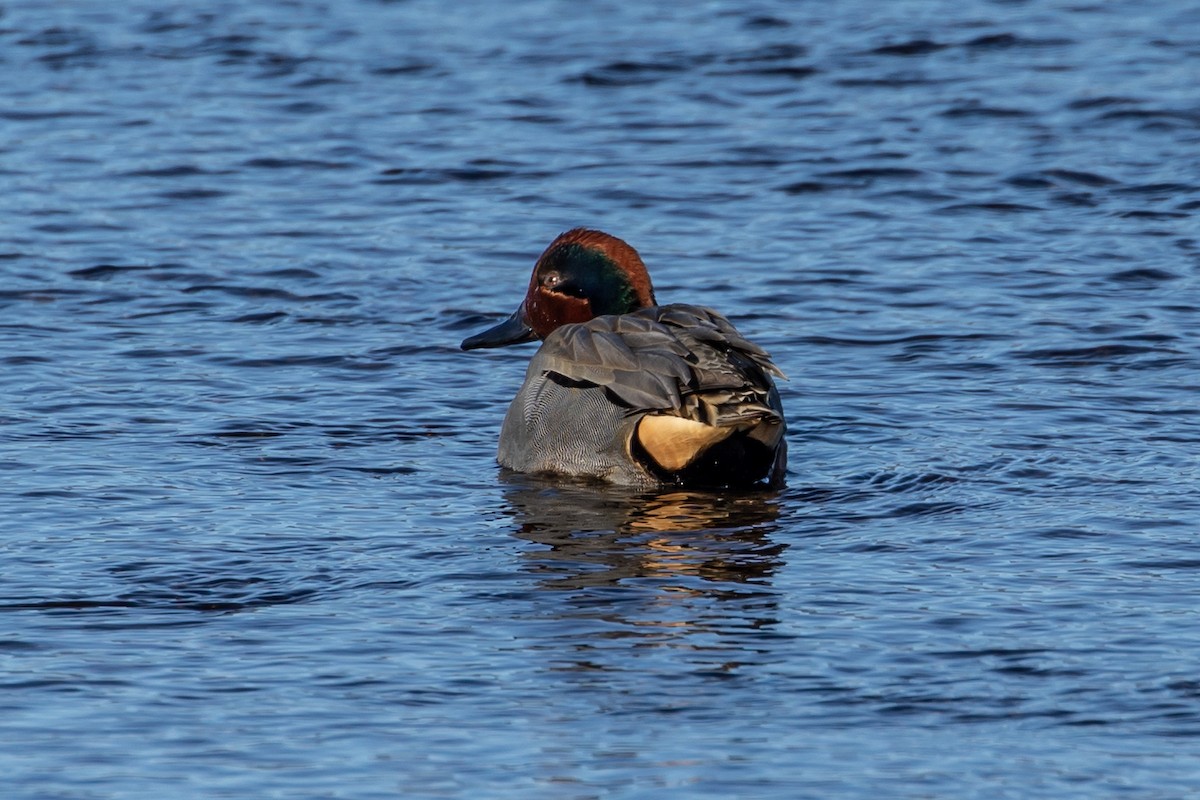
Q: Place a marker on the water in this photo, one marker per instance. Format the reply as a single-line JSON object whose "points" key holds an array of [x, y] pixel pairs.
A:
{"points": [[253, 542]]}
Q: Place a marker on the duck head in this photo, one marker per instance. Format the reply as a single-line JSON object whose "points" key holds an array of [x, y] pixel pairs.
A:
{"points": [[581, 275]]}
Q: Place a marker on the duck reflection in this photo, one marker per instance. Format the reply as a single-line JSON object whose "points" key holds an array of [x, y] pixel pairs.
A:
{"points": [[625, 581], [686, 541]]}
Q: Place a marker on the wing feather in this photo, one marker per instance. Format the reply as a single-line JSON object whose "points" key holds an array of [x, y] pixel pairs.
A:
{"points": [[679, 357]]}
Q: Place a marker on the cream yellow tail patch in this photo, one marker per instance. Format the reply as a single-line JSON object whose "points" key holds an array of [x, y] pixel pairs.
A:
{"points": [[674, 442]]}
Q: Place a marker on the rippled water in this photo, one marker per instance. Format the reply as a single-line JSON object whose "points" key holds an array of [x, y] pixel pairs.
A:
{"points": [[253, 541]]}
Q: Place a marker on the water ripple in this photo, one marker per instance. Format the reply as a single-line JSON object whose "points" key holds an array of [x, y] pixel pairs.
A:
{"points": [[255, 539]]}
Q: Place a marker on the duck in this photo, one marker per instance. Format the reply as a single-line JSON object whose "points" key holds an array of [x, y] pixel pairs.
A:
{"points": [[629, 392]]}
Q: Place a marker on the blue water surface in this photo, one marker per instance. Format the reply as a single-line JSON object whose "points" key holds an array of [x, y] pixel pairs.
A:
{"points": [[253, 541]]}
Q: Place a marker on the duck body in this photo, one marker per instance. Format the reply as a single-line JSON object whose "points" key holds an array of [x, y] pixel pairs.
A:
{"points": [[649, 396]]}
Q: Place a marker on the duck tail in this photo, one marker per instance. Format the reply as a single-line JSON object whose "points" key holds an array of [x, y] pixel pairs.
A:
{"points": [[740, 445]]}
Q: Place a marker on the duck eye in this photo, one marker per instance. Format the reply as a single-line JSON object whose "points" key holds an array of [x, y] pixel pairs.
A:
{"points": [[551, 279]]}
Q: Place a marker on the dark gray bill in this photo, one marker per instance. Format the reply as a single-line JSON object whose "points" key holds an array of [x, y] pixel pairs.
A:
{"points": [[512, 331]]}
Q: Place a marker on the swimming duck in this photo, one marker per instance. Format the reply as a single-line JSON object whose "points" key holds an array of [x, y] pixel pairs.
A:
{"points": [[628, 391]]}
